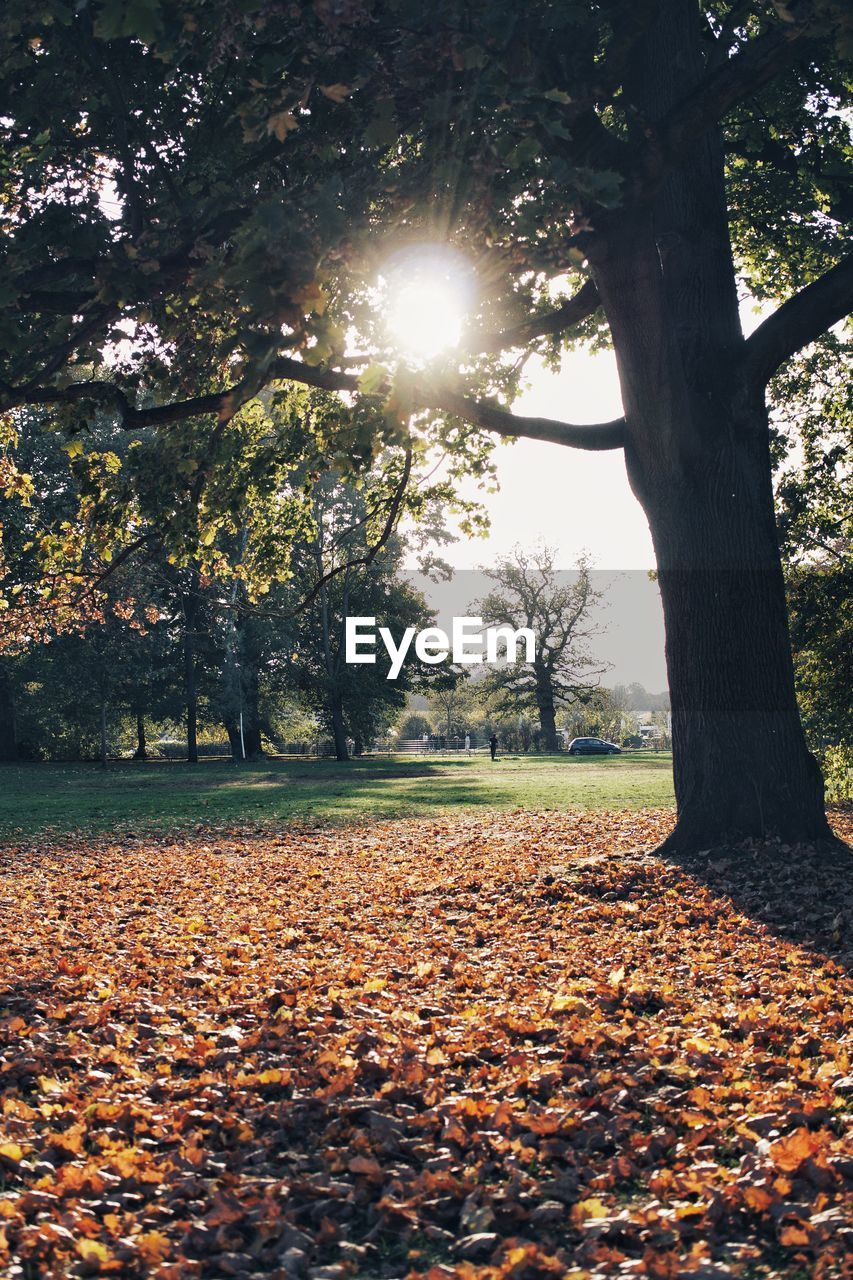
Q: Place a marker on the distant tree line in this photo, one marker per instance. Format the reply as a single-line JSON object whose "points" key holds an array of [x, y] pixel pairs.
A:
{"points": [[245, 644]]}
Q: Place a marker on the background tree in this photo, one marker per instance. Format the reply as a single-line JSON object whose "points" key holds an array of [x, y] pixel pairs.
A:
{"points": [[338, 577], [599, 713], [451, 700], [530, 592], [813, 444], [414, 725], [628, 147]]}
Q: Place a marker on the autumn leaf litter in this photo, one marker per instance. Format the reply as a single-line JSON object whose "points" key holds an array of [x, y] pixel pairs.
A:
{"points": [[505, 1046]]}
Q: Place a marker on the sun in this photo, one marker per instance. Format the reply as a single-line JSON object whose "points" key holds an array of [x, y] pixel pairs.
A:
{"points": [[428, 297]]}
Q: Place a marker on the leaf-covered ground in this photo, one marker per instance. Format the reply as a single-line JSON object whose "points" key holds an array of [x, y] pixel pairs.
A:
{"points": [[504, 1046]]}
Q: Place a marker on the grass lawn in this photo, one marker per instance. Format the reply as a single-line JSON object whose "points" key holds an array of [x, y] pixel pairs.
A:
{"points": [[46, 799]]}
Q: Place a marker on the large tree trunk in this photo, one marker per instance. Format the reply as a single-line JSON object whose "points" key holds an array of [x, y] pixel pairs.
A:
{"points": [[698, 460], [251, 713], [8, 721], [338, 730], [234, 740], [191, 610], [547, 718], [741, 765], [141, 752]]}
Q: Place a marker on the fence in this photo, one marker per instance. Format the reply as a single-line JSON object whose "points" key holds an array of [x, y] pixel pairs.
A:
{"points": [[175, 749]]}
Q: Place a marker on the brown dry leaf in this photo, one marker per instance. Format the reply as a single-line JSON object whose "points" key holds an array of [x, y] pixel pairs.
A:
{"points": [[412, 1049]]}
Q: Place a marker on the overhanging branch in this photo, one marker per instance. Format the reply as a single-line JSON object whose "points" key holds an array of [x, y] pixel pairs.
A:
{"points": [[596, 436], [590, 436], [799, 321], [584, 303]]}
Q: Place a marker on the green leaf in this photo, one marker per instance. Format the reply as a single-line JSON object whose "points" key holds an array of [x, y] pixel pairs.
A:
{"points": [[373, 379]]}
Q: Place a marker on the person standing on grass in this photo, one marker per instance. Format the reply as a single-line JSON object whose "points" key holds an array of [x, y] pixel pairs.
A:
{"points": [[493, 745], [468, 743]]}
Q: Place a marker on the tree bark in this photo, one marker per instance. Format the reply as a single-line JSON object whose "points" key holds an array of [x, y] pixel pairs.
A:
{"points": [[234, 740], [251, 713], [698, 461], [741, 764], [338, 730], [191, 609], [697, 455], [191, 697], [8, 719], [547, 719], [141, 752], [102, 754]]}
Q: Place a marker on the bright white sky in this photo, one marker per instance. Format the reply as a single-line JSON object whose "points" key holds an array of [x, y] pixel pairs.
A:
{"points": [[571, 499], [575, 502]]}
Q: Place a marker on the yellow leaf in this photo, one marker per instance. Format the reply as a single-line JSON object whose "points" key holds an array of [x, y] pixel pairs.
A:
{"points": [[92, 1251], [153, 1246], [569, 1004], [586, 1209], [11, 1152], [74, 447], [274, 1076]]}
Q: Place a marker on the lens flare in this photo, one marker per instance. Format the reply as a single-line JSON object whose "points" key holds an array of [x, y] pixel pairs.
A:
{"points": [[428, 295]]}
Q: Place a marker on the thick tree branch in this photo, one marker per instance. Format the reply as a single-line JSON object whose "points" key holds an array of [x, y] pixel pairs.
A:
{"points": [[608, 435], [226, 401], [756, 64], [592, 436], [799, 321], [726, 32], [584, 303]]}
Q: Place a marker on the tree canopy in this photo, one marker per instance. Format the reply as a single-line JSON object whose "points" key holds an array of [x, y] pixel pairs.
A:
{"points": [[211, 191]]}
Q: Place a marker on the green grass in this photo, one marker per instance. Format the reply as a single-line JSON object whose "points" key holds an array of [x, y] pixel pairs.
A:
{"points": [[50, 799]]}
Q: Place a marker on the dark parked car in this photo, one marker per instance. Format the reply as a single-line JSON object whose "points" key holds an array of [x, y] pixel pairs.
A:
{"points": [[593, 747]]}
